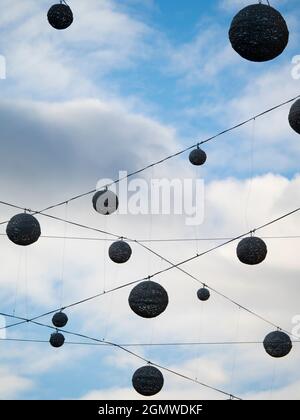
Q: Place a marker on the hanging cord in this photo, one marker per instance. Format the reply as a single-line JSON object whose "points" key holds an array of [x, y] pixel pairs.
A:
{"points": [[62, 277], [250, 185]]}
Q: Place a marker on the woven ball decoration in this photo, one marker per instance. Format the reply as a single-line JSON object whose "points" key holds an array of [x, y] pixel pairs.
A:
{"points": [[259, 33], [105, 202], [148, 299], [60, 16], [57, 340], [120, 252], [60, 320], [294, 116], [148, 381], [252, 251], [23, 229], [278, 344], [198, 157], [203, 294]]}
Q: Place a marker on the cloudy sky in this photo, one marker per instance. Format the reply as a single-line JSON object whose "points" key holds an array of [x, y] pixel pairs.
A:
{"points": [[127, 84]]}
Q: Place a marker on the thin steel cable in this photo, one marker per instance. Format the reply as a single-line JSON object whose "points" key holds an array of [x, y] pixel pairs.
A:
{"points": [[117, 181], [132, 353]]}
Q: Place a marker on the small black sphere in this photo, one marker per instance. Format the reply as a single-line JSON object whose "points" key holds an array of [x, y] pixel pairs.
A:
{"points": [[259, 33], [105, 202], [148, 299], [148, 381], [278, 344], [203, 294], [57, 340], [60, 320], [120, 252], [294, 116], [252, 251], [60, 16], [23, 229], [198, 157]]}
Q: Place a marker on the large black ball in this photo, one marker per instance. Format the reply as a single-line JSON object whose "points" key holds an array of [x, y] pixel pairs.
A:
{"points": [[57, 340], [23, 229], [120, 252], [294, 116], [148, 381], [278, 344], [203, 294], [105, 202], [198, 157], [60, 16], [252, 251], [148, 299], [259, 33], [60, 320]]}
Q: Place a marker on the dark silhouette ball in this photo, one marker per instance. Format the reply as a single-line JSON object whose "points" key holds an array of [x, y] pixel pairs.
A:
{"points": [[294, 116], [203, 294], [105, 202], [148, 299], [57, 340], [60, 320], [252, 251], [23, 229], [148, 381], [198, 157], [60, 16], [278, 344], [259, 33], [120, 252]]}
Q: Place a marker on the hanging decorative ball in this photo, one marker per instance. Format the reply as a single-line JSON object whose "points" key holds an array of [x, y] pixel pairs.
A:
{"points": [[148, 299], [60, 320], [259, 33], [252, 251], [148, 381], [203, 294], [105, 202], [60, 16], [198, 157], [278, 344], [294, 116], [23, 229], [57, 340], [120, 252]]}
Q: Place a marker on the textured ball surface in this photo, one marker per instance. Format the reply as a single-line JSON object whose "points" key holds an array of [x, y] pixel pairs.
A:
{"points": [[148, 299], [259, 33], [252, 251], [120, 252], [57, 340], [60, 320], [105, 202], [148, 381], [60, 16], [203, 294], [294, 116], [197, 157], [23, 229], [278, 344]]}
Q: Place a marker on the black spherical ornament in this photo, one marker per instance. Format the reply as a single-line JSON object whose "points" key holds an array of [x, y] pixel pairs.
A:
{"points": [[60, 16], [294, 116], [252, 251], [23, 229], [57, 340], [198, 157], [259, 33], [203, 294], [278, 344], [60, 320], [105, 202], [148, 299], [120, 252], [148, 381]]}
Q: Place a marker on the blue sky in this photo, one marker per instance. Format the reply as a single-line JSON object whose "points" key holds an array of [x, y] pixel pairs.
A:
{"points": [[127, 84]]}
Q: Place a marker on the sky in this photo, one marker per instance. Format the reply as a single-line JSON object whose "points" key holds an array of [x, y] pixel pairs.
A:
{"points": [[127, 84]]}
